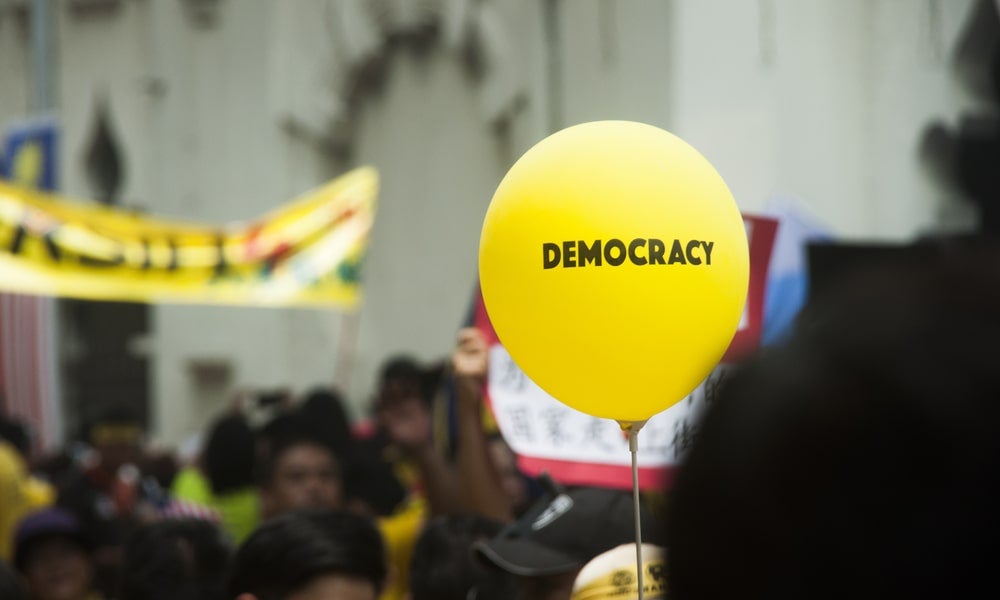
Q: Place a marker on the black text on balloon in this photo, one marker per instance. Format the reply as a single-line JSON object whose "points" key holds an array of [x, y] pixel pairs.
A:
{"points": [[615, 252]]}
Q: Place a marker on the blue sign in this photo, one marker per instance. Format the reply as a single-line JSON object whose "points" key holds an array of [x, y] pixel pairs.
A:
{"points": [[28, 153]]}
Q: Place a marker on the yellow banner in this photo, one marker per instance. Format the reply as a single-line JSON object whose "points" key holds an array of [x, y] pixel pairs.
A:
{"points": [[306, 253]]}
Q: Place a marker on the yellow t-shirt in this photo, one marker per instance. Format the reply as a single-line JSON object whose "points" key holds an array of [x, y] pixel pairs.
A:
{"points": [[400, 532], [20, 495]]}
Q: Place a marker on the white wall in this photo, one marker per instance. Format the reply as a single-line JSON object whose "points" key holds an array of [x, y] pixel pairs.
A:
{"points": [[97, 59], [220, 157], [821, 101], [913, 84], [439, 164]]}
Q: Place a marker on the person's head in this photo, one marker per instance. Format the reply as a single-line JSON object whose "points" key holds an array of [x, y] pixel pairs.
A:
{"points": [[403, 403], [175, 560], [556, 537], [10, 585], [613, 575], [285, 424], [299, 472], [313, 555], [229, 455], [323, 409], [861, 459], [403, 379], [116, 433], [444, 567], [53, 555], [370, 485]]}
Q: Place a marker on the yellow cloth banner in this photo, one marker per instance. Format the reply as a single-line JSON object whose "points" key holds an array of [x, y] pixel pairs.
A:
{"points": [[306, 253]]}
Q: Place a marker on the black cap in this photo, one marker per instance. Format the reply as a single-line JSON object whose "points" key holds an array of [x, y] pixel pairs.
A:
{"points": [[562, 532]]}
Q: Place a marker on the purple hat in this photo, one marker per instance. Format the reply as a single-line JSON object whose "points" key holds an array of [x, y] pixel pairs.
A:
{"points": [[46, 523]]}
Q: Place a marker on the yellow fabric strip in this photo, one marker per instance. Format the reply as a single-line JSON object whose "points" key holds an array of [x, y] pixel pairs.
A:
{"points": [[305, 253]]}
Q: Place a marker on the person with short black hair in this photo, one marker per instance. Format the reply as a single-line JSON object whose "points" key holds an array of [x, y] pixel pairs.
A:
{"points": [[444, 567], [370, 485], [403, 375], [862, 458], [298, 471], [324, 413], [228, 459], [184, 559], [311, 555]]}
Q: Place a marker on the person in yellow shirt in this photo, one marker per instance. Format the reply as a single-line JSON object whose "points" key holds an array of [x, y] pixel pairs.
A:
{"points": [[20, 494], [308, 555], [482, 479], [300, 471]]}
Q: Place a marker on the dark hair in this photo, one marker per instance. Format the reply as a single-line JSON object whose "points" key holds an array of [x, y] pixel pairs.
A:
{"points": [[16, 434], [323, 412], [444, 567], [287, 423], [161, 467], [861, 459], [229, 455], [400, 369], [403, 376], [175, 560], [292, 431], [10, 584], [431, 381], [370, 478], [287, 553]]}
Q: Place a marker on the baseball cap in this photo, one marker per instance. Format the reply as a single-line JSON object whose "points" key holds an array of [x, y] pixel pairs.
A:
{"points": [[44, 524], [562, 532], [612, 575]]}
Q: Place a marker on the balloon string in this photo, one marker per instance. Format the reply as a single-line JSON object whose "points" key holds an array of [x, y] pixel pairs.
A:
{"points": [[633, 446]]}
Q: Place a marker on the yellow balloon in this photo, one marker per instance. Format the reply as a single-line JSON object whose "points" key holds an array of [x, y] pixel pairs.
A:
{"points": [[614, 267]]}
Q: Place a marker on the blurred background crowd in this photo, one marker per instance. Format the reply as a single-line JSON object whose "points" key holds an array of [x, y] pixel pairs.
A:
{"points": [[110, 516]]}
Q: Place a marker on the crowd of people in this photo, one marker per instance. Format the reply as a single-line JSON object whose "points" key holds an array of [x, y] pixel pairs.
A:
{"points": [[286, 498], [859, 458]]}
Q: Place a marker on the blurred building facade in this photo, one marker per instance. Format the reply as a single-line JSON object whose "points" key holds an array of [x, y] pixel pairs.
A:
{"points": [[219, 110]]}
